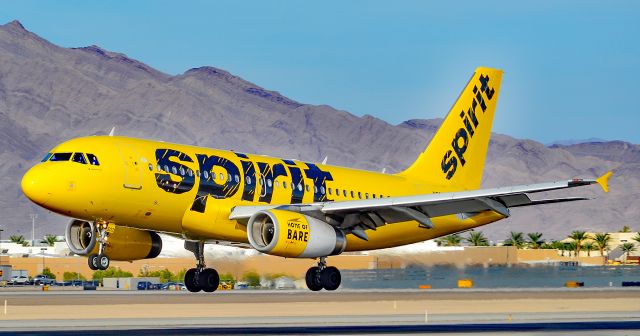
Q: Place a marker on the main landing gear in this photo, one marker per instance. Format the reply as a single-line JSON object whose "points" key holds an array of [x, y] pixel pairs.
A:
{"points": [[321, 276], [100, 261], [200, 278]]}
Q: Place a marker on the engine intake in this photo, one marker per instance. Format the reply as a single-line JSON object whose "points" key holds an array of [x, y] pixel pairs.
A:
{"points": [[293, 235], [124, 243]]}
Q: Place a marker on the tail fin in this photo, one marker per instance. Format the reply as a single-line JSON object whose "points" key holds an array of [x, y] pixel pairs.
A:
{"points": [[454, 159]]}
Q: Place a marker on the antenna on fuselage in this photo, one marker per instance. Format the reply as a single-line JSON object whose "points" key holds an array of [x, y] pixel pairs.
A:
{"points": [[113, 130], [384, 170], [324, 162]]}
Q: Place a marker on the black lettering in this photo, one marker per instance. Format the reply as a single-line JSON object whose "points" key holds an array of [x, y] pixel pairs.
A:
{"points": [[306, 236], [458, 148], [467, 123], [320, 178], [268, 172], [250, 182], [209, 186], [289, 234], [484, 80], [449, 164], [164, 180]]}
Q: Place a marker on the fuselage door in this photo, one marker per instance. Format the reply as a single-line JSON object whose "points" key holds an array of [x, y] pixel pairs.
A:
{"points": [[132, 166]]}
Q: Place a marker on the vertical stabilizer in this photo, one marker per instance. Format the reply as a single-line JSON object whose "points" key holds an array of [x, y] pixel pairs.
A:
{"points": [[454, 160]]}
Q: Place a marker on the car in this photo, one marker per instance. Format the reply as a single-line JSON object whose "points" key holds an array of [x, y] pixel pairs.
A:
{"points": [[147, 285], [42, 279], [173, 286], [19, 280]]}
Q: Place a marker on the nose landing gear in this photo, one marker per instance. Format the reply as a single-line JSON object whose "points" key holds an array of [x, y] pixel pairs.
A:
{"points": [[321, 276], [100, 261], [200, 277]]}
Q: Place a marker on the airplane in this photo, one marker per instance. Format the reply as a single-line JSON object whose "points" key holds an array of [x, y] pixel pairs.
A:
{"points": [[120, 192]]}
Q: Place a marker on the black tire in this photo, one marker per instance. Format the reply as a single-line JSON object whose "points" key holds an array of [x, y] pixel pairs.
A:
{"points": [[92, 260], [103, 262], [190, 281], [209, 280], [313, 283], [330, 278]]}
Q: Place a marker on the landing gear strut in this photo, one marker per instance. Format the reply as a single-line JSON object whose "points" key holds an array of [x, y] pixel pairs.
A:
{"points": [[321, 276], [100, 261], [200, 277]]}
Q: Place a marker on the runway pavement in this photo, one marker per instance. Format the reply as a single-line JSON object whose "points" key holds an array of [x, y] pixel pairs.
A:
{"points": [[357, 311]]}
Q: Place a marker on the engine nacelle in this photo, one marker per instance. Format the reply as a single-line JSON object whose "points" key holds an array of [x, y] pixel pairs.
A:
{"points": [[124, 243], [293, 235]]}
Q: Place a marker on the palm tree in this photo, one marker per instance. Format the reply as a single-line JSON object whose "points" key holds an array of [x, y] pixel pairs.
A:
{"points": [[19, 240], [588, 246], [477, 238], [535, 240], [627, 248], [572, 246], [636, 237], [602, 242], [578, 237], [515, 239], [625, 229], [50, 239], [452, 240]]}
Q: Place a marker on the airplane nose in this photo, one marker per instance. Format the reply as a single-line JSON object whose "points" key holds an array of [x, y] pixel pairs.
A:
{"points": [[35, 186]]}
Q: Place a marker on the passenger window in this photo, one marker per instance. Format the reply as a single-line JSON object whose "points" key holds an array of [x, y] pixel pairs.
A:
{"points": [[374, 195], [182, 172], [190, 172], [158, 168], [278, 184], [213, 176], [322, 190], [344, 192], [166, 168], [269, 184], [284, 184], [230, 177], [352, 194], [307, 187], [198, 173], [206, 175], [46, 157], [221, 177], [359, 195], [299, 187], [329, 191], [150, 167], [79, 158], [60, 157], [237, 178], [366, 195], [315, 189], [248, 179], [174, 170], [93, 160]]}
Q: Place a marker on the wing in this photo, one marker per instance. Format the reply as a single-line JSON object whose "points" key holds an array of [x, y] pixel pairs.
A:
{"points": [[358, 215]]}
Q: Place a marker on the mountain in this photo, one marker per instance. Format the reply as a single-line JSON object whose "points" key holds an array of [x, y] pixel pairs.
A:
{"points": [[49, 94]]}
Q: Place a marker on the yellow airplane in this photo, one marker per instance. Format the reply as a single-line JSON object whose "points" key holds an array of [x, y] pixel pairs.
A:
{"points": [[120, 191]]}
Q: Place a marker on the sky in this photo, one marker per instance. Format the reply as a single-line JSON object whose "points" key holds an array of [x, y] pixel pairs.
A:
{"points": [[571, 67]]}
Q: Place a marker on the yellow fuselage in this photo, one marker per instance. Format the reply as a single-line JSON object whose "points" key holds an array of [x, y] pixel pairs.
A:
{"points": [[163, 187]]}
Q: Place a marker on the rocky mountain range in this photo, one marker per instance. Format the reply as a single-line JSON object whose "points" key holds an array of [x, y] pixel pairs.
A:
{"points": [[49, 94]]}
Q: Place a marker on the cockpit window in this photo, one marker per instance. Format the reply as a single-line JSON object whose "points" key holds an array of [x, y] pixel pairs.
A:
{"points": [[93, 160], [60, 157], [46, 157], [79, 158]]}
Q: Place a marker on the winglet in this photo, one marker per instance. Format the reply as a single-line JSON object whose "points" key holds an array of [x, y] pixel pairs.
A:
{"points": [[603, 181], [113, 130]]}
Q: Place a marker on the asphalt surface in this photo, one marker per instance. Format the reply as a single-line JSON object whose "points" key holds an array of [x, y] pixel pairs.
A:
{"points": [[576, 311]]}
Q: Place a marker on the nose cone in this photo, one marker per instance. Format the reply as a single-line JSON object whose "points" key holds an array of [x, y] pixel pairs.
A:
{"points": [[35, 185]]}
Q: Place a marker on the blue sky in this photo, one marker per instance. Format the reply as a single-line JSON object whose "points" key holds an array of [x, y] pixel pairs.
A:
{"points": [[571, 67]]}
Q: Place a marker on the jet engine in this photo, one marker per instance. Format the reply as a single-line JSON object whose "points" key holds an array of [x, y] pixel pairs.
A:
{"points": [[124, 243], [293, 235]]}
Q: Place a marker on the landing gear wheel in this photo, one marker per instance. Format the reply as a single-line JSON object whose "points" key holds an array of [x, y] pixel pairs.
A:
{"points": [[330, 278], [312, 279], [190, 282], [209, 280], [103, 262], [92, 260]]}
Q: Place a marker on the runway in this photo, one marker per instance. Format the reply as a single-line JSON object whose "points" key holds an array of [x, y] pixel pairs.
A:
{"points": [[534, 311]]}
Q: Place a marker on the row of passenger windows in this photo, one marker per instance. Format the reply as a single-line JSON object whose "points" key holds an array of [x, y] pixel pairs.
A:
{"points": [[222, 177], [75, 157]]}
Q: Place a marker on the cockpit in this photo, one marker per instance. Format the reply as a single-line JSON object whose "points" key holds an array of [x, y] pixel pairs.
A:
{"points": [[78, 157]]}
